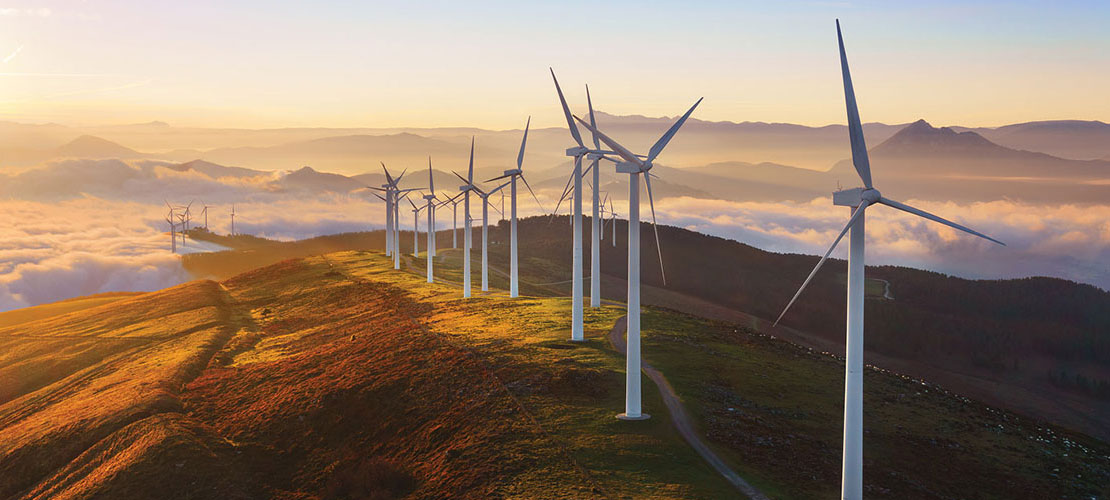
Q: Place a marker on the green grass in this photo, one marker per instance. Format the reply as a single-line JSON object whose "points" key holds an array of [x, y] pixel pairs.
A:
{"points": [[774, 409]]}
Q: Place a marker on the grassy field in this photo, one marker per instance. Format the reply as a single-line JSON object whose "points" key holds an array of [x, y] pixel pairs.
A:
{"points": [[337, 377], [43, 311], [329, 377]]}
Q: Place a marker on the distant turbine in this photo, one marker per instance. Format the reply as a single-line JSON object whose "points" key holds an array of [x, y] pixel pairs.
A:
{"points": [[485, 225], [512, 175], [415, 229], [173, 228], [634, 166], [858, 199], [465, 189], [431, 197], [233, 219]]}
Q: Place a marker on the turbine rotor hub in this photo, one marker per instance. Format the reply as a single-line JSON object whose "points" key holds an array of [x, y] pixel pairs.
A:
{"points": [[871, 196]]}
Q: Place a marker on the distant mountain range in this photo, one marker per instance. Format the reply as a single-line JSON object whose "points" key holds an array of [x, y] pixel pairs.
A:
{"points": [[915, 160]]}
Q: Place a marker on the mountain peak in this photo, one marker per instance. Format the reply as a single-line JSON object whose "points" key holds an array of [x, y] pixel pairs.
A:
{"points": [[89, 146], [921, 138]]}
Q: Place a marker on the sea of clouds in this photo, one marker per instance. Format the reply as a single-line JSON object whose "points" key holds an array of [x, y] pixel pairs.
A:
{"points": [[78, 227]]}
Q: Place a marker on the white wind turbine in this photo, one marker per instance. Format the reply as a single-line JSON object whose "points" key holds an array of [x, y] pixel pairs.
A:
{"points": [[390, 188], [173, 228], [398, 195], [634, 166], [577, 152], [858, 199], [233, 219], [415, 228], [485, 225], [431, 197], [512, 175], [602, 211], [465, 189], [613, 220]]}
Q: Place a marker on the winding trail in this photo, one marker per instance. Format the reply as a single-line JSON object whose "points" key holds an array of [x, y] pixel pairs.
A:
{"points": [[681, 419]]}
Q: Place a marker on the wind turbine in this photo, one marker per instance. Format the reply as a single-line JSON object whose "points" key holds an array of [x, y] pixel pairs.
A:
{"points": [[415, 228], [512, 175], [431, 197], [595, 222], [485, 224], [576, 327], [173, 228], [858, 200], [602, 211], [613, 221], [634, 166], [465, 189], [392, 190], [399, 195], [204, 211], [233, 219]]}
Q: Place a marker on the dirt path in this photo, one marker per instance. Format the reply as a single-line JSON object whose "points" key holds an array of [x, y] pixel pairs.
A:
{"points": [[681, 419]]}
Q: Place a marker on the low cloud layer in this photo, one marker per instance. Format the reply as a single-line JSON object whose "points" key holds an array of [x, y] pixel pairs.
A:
{"points": [[1066, 241], [79, 227]]}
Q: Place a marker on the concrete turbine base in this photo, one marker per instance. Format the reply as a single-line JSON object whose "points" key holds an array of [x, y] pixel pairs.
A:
{"points": [[624, 416]]}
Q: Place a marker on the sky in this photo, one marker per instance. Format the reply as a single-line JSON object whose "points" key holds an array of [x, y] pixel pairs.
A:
{"points": [[484, 63]]}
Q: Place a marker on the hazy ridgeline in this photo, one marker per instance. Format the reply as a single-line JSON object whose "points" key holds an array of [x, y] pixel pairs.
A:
{"points": [[91, 200]]}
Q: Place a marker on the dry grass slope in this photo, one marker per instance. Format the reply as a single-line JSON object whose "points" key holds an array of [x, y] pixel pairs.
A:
{"points": [[327, 377]]}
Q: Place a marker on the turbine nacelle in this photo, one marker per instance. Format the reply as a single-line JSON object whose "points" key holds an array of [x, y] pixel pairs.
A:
{"points": [[627, 167], [856, 196], [515, 171], [465, 187], [577, 151]]}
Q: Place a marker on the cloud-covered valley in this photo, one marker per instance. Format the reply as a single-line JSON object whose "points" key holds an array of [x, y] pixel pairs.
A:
{"points": [[77, 227]]}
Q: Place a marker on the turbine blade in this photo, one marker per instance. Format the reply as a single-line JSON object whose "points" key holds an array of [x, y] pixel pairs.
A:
{"points": [[498, 188], [655, 226], [593, 123], [620, 150], [534, 197], [566, 191], [921, 213], [470, 171], [497, 178], [520, 156], [388, 177], [662, 142], [431, 184], [851, 220], [855, 128], [461, 178], [566, 111]]}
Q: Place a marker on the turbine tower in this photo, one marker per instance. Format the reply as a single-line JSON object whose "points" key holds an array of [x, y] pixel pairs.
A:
{"points": [[576, 328], [173, 228], [595, 222], [634, 166], [858, 200], [512, 175], [233, 219], [431, 197], [415, 228], [465, 189], [485, 224]]}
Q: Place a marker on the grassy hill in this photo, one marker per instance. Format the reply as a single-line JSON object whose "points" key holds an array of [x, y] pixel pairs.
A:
{"points": [[337, 377], [331, 377], [1040, 346]]}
